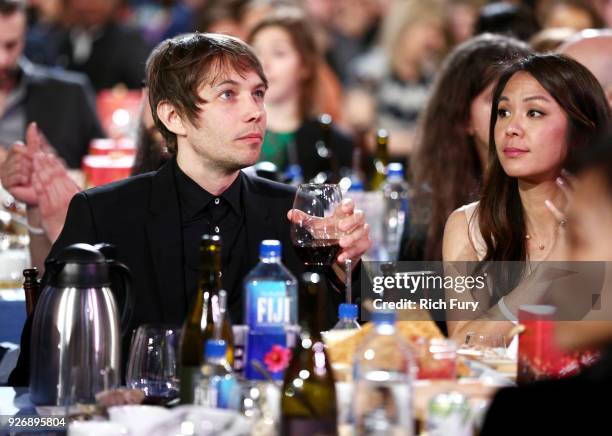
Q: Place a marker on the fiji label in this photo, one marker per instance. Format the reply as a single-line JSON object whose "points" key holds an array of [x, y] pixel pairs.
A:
{"points": [[269, 351], [268, 308]]}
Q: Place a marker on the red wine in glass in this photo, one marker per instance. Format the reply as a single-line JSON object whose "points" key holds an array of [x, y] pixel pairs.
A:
{"points": [[318, 252]]}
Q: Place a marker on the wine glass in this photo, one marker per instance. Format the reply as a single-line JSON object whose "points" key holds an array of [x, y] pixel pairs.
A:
{"points": [[314, 231], [152, 366]]}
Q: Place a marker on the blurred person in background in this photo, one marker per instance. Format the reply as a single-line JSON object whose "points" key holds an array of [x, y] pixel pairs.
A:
{"points": [[549, 40], [461, 19], [593, 49], [61, 103], [161, 19], [575, 14], [96, 44], [353, 28], [223, 16], [450, 155], [604, 9], [572, 405], [291, 60], [515, 20], [44, 30], [329, 92], [545, 108], [398, 74]]}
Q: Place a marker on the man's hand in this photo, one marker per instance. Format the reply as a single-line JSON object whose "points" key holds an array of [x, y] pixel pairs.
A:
{"points": [[16, 171], [54, 189], [347, 224], [355, 240]]}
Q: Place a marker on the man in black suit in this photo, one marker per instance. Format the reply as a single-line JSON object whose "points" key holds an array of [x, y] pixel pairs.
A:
{"points": [[61, 103], [108, 52], [206, 92]]}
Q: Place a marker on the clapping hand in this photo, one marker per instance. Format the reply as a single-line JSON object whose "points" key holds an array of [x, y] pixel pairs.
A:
{"points": [[16, 171], [54, 189]]}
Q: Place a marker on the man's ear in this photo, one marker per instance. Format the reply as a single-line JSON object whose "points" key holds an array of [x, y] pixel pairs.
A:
{"points": [[170, 117]]}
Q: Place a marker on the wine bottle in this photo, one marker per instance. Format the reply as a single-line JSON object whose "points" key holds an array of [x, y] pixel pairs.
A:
{"points": [[31, 288], [200, 323], [381, 160], [308, 402]]}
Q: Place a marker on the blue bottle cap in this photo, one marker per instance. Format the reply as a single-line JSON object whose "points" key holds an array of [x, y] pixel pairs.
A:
{"points": [[395, 169], [215, 348], [270, 248], [346, 310], [383, 317], [356, 185]]}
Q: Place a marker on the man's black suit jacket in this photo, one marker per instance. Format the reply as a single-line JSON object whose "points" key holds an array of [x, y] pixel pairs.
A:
{"points": [[63, 105], [140, 216]]}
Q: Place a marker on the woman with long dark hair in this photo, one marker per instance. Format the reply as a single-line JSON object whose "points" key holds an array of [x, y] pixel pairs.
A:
{"points": [[545, 107], [453, 137]]}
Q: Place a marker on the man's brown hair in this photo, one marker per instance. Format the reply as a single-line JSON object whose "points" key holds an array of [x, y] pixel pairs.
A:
{"points": [[179, 66]]}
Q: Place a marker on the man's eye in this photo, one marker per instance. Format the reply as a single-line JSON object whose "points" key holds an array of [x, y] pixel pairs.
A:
{"points": [[260, 93], [227, 94]]}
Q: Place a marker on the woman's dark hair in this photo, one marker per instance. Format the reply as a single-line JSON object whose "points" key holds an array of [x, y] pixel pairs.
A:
{"points": [[500, 212], [446, 166], [301, 32]]}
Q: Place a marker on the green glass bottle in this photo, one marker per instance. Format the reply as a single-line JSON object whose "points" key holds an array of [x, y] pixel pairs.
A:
{"points": [[381, 160], [308, 397], [200, 323]]}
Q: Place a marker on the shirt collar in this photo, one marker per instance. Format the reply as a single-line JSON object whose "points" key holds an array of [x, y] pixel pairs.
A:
{"points": [[194, 198]]}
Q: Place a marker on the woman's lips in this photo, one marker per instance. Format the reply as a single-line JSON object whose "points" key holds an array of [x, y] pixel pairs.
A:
{"points": [[514, 152]]}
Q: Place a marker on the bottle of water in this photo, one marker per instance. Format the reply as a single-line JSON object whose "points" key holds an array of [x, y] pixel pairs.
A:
{"points": [[384, 368], [347, 317], [395, 194], [270, 296], [217, 384], [346, 326]]}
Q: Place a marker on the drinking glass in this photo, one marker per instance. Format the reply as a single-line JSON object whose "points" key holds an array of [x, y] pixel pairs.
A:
{"points": [[314, 233], [152, 366], [484, 346]]}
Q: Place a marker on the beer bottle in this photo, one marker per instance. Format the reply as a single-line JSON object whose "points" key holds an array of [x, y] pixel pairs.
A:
{"points": [[381, 160], [200, 323], [308, 402]]}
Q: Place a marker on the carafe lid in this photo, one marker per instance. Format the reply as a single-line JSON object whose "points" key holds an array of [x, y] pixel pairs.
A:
{"points": [[80, 266]]}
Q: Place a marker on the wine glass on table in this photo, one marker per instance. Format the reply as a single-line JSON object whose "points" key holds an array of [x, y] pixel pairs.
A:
{"points": [[314, 230], [152, 366]]}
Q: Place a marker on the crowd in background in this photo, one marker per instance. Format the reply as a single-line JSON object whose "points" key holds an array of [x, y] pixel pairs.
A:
{"points": [[442, 77]]}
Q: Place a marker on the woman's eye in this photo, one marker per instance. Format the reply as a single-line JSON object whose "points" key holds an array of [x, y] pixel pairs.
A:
{"points": [[227, 94], [260, 93], [534, 113], [502, 113]]}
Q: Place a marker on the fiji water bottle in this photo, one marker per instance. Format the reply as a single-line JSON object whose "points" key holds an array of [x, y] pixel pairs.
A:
{"points": [[383, 370], [395, 194], [270, 295]]}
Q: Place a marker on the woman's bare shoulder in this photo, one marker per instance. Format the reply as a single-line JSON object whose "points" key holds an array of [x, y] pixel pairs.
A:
{"points": [[456, 244]]}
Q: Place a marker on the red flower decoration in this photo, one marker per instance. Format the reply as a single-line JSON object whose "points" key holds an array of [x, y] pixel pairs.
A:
{"points": [[277, 359]]}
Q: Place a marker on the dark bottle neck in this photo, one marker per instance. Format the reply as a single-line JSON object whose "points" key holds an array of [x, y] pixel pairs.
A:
{"points": [[210, 266], [312, 304]]}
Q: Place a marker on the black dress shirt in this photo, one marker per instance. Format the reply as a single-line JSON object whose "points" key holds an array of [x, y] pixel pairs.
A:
{"points": [[223, 215]]}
